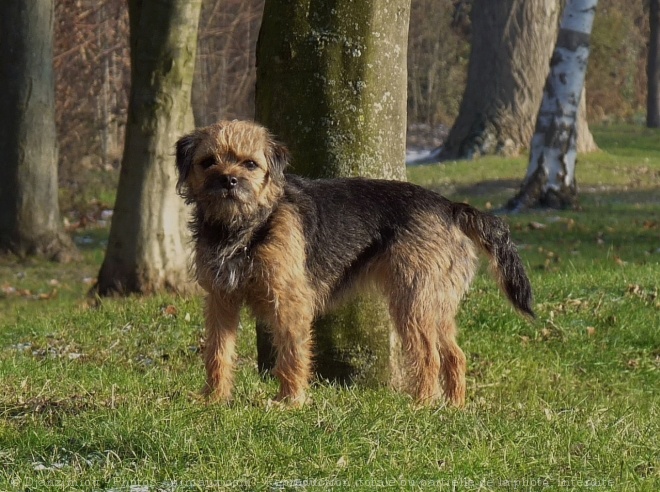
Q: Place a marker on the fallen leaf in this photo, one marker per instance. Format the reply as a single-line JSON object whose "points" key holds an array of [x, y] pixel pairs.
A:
{"points": [[7, 289], [46, 295], [591, 331], [619, 261], [536, 226], [170, 310]]}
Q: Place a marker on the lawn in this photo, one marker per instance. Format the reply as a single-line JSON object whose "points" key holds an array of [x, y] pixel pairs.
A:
{"points": [[106, 398]]}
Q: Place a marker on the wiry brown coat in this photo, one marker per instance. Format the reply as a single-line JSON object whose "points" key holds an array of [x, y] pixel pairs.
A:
{"points": [[291, 248]]}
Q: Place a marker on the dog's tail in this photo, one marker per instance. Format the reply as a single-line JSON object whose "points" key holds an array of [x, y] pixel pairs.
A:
{"points": [[492, 236]]}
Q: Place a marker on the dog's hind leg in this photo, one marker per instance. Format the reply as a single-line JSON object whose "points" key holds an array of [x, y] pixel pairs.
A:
{"points": [[453, 361], [415, 323]]}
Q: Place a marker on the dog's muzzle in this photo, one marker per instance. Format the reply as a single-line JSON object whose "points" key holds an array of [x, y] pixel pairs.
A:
{"points": [[223, 184]]}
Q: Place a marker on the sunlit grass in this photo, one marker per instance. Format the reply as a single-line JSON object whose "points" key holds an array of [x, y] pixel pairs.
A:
{"points": [[107, 398]]}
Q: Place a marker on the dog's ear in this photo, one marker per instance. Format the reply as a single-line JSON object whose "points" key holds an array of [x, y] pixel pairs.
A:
{"points": [[185, 148], [278, 159]]}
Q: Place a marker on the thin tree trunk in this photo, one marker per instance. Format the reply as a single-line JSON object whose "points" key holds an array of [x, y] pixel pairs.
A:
{"points": [[148, 248], [550, 180], [653, 67], [331, 84], [30, 222]]}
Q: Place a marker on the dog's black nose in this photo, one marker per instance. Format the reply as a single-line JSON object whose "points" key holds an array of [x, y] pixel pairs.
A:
{"points": [[227, 181]]}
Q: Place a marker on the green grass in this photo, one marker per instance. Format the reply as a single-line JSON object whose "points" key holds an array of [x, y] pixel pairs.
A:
{"points": [[105, 398]]}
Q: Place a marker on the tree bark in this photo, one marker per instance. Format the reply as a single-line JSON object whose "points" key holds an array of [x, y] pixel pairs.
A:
{"points": [[653, 67], [550, 180], [30, 222], [148, 247], [331, 83], [512, 41]]}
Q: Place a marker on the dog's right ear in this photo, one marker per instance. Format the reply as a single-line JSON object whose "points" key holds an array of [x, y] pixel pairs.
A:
{"points": [[278, 157], [185, 148]]}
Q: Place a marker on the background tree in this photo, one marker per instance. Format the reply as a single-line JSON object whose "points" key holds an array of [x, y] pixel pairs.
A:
{"points": [[653, 67], [92, 69], [147, 248], [550, 180], [512, 42], [331, 84], [29, 211], [223, 86], [438, 45]]}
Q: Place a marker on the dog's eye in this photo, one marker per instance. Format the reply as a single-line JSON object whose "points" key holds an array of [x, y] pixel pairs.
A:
{"points": [[208, 162], [250, 165]]}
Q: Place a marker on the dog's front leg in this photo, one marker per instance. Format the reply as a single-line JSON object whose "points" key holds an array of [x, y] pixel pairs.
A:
{"points": [[292, 336], [222, 316]]}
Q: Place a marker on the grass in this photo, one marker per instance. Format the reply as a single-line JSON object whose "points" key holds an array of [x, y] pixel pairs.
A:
{"points": [[106, 398]]}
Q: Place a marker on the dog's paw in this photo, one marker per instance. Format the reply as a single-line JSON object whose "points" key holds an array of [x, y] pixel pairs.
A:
{"points": [[289, 401]]}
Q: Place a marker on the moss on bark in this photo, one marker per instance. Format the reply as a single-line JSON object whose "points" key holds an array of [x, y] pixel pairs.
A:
{"points": [[148, 243], [30, 222], [331, 84]]}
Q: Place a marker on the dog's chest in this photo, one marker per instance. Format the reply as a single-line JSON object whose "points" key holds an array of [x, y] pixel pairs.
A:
{"points": [[223, 268]]}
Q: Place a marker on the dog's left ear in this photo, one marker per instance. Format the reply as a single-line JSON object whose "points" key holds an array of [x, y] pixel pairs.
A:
{"points": [[278, 159], [185, 148]]}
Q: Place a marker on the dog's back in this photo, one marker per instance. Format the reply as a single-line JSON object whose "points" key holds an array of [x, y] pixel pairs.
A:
{"points": [[352, 224]]}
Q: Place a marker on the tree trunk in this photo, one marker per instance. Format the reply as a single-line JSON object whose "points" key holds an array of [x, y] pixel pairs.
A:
{"points": [[331, 84], [653, 67], [148, 245], [30, 221], [512, 42], [550, 180]]}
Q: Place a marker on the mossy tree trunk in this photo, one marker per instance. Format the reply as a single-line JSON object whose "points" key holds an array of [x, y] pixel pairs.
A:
{"points": [[30, 222], [512, 42], [148, 248], [331, 84], [550, 180]]}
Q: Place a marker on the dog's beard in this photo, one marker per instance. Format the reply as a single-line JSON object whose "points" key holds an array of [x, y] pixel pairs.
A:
{"points": [[225, 229], [234, 209]]}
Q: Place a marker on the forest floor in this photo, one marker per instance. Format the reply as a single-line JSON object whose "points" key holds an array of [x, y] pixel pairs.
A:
{"points": [[106, 397]]}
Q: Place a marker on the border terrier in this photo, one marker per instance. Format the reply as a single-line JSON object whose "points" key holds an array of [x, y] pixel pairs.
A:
{"points": [[290, 248]]}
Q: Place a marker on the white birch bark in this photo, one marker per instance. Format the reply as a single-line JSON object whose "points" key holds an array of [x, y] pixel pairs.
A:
{"points": [[550, 179]]}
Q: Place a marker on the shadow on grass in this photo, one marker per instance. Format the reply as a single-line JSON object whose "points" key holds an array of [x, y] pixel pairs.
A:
{"points": [[622, 224]]}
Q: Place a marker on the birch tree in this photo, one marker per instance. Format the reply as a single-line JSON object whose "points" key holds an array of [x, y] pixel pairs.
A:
{"points": [[30, 222], [550, 179], [148, 244], [512, 42], [331, 84]]}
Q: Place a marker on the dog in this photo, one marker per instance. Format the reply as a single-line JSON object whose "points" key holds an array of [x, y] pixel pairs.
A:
{"points": [[290, 248]]}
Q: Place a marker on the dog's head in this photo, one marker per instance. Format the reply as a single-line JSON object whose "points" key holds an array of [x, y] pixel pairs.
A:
{"points": [[230, 170]]}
